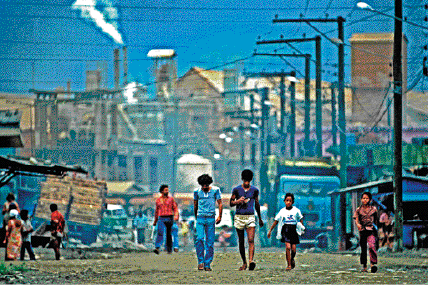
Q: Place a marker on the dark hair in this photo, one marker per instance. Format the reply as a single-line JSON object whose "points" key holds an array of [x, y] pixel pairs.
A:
{"points": [[162, 187], [13, 206], [205, 179], [10, 197], [24, 214], [247, 175], [53, 207], [289, 195], [368, 195]]}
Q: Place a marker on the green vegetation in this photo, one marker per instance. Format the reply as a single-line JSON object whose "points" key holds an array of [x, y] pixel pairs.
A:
{"points": [[11, 268]]}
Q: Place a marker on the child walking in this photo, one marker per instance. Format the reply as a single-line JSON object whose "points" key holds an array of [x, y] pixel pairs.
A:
{"points": [[366, 218], [287, 218], [27, 229]]}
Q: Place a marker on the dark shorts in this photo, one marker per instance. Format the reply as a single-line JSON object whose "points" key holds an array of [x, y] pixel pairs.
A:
{"points": [[289, 234], [387, 228]]}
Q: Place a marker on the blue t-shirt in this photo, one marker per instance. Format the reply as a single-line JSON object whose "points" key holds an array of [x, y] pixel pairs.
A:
{"points": [[245, 208], [206, 201]]}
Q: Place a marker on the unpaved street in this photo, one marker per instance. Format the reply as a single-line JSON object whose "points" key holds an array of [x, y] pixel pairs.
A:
{"points": [[146, 267]]}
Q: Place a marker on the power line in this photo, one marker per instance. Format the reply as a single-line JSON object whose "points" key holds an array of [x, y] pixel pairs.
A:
{"points": [[133, 20], [158, 8], [77, 44]]}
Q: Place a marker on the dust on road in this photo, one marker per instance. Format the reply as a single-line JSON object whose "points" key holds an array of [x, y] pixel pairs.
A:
{"points": [[146, 267]]}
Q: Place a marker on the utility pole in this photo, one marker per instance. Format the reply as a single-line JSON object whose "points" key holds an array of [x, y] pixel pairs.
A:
{"points": [[318, 103], [247, 115], [282, 75], [292, 129], [398, 123], [341, 87], [318, 95], [333, 88]]}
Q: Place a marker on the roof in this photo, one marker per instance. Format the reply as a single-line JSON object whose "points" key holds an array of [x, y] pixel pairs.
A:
{"points": [[119, 187], [374, 37], [25, 104], [379, 182], [192, 159], [16, 165], [214, 78]]}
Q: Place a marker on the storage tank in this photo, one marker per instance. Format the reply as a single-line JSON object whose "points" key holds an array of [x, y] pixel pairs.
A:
{"points": [[189, 168]]}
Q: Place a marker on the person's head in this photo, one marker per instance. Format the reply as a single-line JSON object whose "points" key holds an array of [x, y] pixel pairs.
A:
{"points": [[164, 190], [289, 200], [10, 197], [12, 206], [366, 198], [53, 207], [247, 176], [24, 214], [140, 213], [13, 214], [205, 180]]}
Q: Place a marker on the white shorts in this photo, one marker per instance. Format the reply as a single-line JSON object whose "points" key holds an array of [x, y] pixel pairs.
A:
{"points": [[245, 221]]}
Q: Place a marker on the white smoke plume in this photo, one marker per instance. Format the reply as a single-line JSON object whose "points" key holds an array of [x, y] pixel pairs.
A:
{"points": [[89, 11]]}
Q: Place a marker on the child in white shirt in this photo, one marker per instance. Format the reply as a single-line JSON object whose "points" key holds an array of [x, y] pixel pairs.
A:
{"points": [[288, 217]]}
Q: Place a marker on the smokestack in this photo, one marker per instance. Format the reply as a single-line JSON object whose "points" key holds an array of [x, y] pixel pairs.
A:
{"points": [[116, 69], [125, 65]]}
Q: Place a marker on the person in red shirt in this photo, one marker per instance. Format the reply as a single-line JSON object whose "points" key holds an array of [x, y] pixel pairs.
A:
{"points": [[57, 229], [166, 212]]}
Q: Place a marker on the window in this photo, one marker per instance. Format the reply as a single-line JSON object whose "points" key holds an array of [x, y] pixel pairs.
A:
{"points": [[122, 161], [138, 169], [153, 170], [198, 122]]}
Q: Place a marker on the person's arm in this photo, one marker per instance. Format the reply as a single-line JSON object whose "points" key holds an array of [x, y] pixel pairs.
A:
{"points": [[156, 214], [220, 211], [175, 210], [195, 208], [271, 228], [357, 222], [234, 201], [257, 206]]}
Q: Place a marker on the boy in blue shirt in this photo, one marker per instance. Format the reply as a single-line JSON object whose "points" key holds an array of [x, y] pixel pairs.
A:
{"points": [[246, 198], [204, 199]]}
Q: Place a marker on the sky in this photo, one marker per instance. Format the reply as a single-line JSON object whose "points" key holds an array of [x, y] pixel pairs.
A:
{"points": [[46, 43]]}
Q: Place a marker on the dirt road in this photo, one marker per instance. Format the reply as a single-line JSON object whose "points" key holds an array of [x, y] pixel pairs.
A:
{"points": [[146, 267]]}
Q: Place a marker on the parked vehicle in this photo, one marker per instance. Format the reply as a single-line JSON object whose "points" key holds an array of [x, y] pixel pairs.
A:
{"points": [[80, 201], [309, 181]]}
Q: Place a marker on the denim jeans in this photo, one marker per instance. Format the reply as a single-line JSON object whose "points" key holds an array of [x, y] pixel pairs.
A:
{"points": [[164, 222], [205, 234], [140, 236], [174, 233]]}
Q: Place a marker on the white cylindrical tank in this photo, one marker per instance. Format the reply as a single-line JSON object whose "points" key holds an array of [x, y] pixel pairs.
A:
{"points": [[189, 168]]}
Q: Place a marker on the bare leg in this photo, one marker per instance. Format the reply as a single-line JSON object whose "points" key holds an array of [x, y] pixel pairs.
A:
{"points": [[241, 240], [288, 255], [293, 254], [250, 235]]}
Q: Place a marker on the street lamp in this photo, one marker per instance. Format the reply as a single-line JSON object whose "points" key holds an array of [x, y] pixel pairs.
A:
{"points": [[398, 116], [367, 7]]}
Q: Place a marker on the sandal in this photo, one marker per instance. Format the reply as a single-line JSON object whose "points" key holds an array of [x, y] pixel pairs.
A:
{"points": [[243, 267], [288, 268], [201, 266], [364, 270]]}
